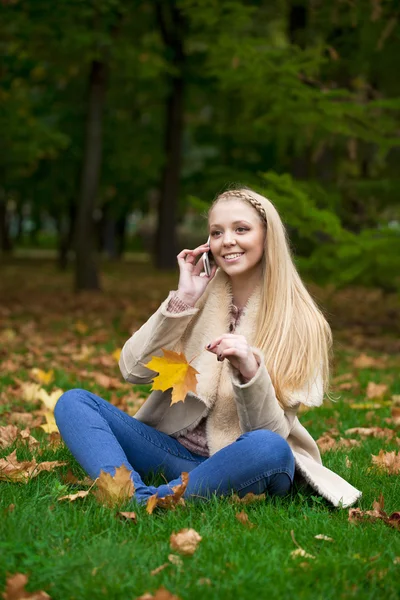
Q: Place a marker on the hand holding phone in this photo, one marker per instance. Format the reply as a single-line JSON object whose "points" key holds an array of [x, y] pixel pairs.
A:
{"points": [[207, 258]]}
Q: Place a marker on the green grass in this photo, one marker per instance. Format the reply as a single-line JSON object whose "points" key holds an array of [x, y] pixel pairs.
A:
{"points": [[81, 550]]}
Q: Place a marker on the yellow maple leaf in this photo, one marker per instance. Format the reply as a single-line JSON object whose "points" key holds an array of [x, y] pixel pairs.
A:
{"points": [[117, 489], [50, 426], [49, 400], [174, 372], [44, 377]]}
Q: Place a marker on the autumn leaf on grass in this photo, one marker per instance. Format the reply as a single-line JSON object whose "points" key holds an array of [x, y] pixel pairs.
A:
{"points": [[50, 426], [300, 552], [243, 518], [249, 498], [49, 400], [10, 433], [356, 514], [73, 497], [15, 589], [387, 461], [327, 442], [173, 372], [161, 594], [377, 432], [43, 377], [376, 390], [127, 516], [185, 541], [169, 502], [117, 489], [13, 470]]}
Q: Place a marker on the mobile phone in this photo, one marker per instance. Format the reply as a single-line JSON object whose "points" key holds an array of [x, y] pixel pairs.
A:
{"points": [[207, 259]]}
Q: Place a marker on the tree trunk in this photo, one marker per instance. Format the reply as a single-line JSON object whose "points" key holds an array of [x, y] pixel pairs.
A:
{"points": [[5, 240], [86, 272], [172, 27], [66, 228]]}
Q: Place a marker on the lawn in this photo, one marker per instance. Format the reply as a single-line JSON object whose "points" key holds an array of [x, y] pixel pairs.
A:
{"points": [[85, 550]]}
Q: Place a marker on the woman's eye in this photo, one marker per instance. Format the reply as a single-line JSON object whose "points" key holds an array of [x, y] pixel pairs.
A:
{"points": [[215, 233], [242, 229]]}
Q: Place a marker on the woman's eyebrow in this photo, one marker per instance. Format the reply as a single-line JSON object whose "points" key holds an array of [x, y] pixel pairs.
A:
{"points": [[233, 223]]}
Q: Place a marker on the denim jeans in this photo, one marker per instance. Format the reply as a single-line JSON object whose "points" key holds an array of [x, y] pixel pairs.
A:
{"points": [[103, 437]]}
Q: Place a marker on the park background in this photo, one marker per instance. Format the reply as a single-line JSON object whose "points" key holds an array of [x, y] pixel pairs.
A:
{"points": [[120, 123]]}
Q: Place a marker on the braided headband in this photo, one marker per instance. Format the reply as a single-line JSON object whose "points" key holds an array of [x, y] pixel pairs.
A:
{"points": [[247, 198]]}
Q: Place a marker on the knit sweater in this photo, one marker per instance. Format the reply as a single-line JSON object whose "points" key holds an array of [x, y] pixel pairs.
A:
{"points": [[196, 439]]}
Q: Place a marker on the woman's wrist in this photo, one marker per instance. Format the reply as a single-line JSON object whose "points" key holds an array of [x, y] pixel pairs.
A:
{"points": [[186, 298]]}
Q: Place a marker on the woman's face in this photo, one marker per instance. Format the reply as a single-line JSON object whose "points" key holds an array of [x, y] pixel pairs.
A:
{"points": [[236, 237]]}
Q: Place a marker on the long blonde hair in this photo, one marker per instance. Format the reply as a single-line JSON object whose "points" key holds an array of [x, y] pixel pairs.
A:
{"points": [[293, 333]]}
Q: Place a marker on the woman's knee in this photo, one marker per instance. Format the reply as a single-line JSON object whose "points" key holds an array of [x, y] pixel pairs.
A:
{"points": [[271, 445], [69, 402]]}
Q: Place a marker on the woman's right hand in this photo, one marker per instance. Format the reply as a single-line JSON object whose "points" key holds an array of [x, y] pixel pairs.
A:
{"points": [[191, 284]]}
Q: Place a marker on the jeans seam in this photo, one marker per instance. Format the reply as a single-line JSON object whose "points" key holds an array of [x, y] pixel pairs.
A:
{"points": [[162, 447], [264, 476]]}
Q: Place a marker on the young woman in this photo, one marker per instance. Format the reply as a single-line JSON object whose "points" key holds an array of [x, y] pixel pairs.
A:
{"points": [[261, 347]]}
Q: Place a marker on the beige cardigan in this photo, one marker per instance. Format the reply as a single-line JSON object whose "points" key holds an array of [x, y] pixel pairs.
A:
{"points": [[232, 407]]}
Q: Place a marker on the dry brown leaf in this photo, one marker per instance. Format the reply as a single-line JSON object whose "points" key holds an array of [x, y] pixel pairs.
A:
{"points": [[158, 570], [161, 594], [24, 419], [185, 541], [363, 361], [171, 501], [70, 478], [326, 538], [174, 372], [387, 461], [249, 498], [10, 434], [175, 560], [327, 442], [72, 497], [348, 462], [13, 470], [112, 490], [377, 432], [300, 551], [128, 516], [15, 589], [243, 518], [376, 390], [395, 416], [356, 514]]}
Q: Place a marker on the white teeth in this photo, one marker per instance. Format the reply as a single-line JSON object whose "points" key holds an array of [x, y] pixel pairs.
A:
{"points": [[229, 256]]}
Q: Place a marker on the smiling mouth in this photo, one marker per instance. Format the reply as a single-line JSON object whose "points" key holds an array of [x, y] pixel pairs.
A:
{"points": [[230, 258]]}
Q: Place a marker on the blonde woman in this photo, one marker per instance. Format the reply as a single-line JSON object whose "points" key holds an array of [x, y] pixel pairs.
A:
{"points": [[261, 346]]}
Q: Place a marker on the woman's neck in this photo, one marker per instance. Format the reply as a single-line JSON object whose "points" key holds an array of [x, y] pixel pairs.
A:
{"points": [[243, 287]]}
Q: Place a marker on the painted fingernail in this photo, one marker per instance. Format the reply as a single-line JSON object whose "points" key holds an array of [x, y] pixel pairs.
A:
{"points": [[209, 346]]}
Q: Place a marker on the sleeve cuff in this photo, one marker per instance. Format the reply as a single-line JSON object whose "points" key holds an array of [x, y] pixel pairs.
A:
{"points": [[173, 306], [236, 378]]}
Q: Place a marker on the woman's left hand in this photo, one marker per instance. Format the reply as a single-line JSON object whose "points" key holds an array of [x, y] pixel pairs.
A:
{"points": [[236, 349]]}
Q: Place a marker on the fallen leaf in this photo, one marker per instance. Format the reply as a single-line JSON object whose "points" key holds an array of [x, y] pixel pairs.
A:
{"points": [[112, 490], [160, 594], [70, 478], [356, 514], [13, 470], [10, 508], [326, 538], [363, 361], [243, 518], [377, 432], [387, 461], [72, 497], [368, 405], [15, 589], [249, 498], [30, 390], [43, 377], [173, 372], [175, 560], [376, 390], [49, 400], [348, 462], [128, 516], [50, 426], [185, 541], [116, 354], [327, 442], [158, 570], [300, 551], [171, 501], [24, 419], [81, 327]]}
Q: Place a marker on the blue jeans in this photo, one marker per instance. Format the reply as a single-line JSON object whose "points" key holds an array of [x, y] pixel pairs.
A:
{"points": [[103, 437]]}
